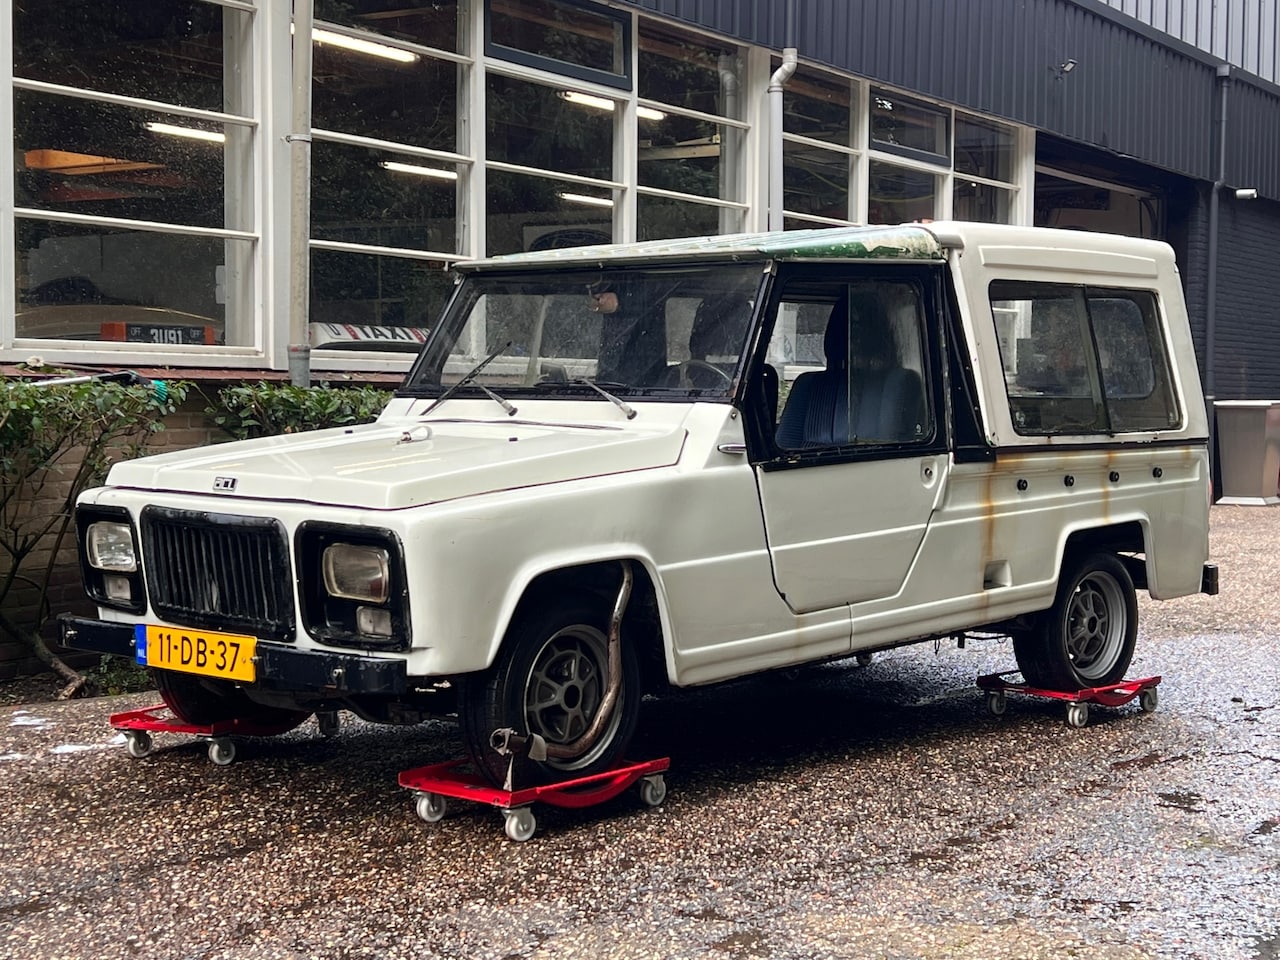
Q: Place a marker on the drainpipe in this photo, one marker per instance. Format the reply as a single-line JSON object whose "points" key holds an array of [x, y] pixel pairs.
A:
{"points": [[730, 173], [779, 79], [300, 199], [1211, 280]]}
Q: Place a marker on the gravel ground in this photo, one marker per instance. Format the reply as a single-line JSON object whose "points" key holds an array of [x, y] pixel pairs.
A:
{"points": [[846, 812]]}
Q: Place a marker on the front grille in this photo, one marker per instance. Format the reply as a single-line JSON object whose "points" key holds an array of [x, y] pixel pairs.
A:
{"points": [[219, 571]]}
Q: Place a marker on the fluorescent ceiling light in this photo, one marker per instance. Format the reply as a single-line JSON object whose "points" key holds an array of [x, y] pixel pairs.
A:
{"points": [[419, 171], [604, 103], [191, 133], [584, 198], [358, 45]]}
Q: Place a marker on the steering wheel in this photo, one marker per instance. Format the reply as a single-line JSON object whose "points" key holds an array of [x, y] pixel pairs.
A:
{"points": [[688, 366]]}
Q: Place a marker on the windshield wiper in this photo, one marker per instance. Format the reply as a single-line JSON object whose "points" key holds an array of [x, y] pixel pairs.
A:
{"points": [[471, 376], [622, 405]]}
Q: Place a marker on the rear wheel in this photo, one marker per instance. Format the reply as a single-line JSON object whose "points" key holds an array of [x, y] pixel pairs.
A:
{"points": [[550, 679], [198, 701], [1087, 638]]}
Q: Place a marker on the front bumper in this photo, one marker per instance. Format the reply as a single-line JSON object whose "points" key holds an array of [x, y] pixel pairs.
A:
{"points": [[278, 667]]}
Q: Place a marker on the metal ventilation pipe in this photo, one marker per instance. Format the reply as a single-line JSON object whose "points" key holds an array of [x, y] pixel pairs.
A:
{"points": [[1211, 278], [300, 199], [790, 59]]}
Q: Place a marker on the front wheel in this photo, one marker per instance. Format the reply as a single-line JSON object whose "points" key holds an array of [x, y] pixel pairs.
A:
{"points": [[1087, 638], [202, 702], [550, 679]]}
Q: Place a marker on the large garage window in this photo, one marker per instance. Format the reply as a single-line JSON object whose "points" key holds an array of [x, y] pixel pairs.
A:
{"points": [[689, 135], [134, 190], [387, 176]]}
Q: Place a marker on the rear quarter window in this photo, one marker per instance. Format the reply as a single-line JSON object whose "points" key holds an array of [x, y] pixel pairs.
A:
{"points": [[1082, 360]]}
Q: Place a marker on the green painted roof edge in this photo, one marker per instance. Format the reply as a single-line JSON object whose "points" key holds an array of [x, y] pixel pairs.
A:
{"points": [[906, 242]]}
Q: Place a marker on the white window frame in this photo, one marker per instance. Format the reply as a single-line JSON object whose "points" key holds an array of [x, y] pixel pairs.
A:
{"points": [[253, 291]]}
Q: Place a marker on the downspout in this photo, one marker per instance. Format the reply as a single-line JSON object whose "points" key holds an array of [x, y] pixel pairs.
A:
{"points": [[300, 199], [779, 80], [1211, 280]]}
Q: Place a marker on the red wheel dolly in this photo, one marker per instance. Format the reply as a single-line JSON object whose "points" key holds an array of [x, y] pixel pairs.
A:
{"points": [[998, 686], [435, 784], [138, 725]]}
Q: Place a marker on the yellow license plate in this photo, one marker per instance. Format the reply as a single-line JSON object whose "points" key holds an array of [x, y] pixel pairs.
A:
{"points": [[225, 655]]}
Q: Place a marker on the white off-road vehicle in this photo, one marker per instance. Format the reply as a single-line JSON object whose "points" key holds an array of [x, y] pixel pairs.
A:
{"points": [[677, 463]]}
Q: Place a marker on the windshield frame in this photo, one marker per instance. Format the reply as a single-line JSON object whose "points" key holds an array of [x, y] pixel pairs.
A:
{"points": [[675, 287]]}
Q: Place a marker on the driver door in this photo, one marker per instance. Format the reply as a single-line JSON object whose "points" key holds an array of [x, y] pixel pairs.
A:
{"points": [[857, 462]]}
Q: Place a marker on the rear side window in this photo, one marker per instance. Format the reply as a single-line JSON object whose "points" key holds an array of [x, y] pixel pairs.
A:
{"points": [[1082, 360]]}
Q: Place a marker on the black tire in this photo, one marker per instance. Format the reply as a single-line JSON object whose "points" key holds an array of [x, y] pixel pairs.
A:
{"points": [[559, 649], [1087, 638], [201, 702]]}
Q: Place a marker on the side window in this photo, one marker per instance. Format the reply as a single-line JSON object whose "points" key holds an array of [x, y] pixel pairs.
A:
{"points": [[1081, 360], [858, 365], [1135, 372]]}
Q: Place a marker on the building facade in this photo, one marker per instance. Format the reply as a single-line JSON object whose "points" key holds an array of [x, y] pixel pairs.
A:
{"points": [[188, 193]]}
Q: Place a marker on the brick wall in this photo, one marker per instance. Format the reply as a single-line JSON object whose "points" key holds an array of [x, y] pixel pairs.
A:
{"points": [[187, 427]]}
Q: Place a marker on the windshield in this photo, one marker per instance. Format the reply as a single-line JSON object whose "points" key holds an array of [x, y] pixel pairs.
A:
{"points": [[654, 331]]}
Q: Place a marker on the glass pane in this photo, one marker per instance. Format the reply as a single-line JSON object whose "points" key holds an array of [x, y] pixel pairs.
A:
{"points": [[1131, 355], [372, 96], [375, 197], [432, 24], [660, 218], [91, 283], [981, 202], [815, 181], [866, 341], [635, 329], [899, 195], [537, 126], [690, 156], [171, 52], [984, 149], [688, 70], [537, 213], [816, 105], [1050, 374], [901, 125], [78, 156], [559, 31], [388, 303]]}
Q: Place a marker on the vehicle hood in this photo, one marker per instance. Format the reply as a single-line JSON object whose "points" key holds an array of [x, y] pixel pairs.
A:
{"points": [[389, 466]]}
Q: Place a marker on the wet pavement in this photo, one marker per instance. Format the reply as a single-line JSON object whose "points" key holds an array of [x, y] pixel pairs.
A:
{"points": [[846, 811]]}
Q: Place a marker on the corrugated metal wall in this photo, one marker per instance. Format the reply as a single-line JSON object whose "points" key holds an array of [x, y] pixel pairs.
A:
{"points": [[1133, 91], [1245, 33]]}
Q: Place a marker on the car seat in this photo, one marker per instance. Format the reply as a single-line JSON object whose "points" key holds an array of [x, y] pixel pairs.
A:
{"points": [[887, 404]]}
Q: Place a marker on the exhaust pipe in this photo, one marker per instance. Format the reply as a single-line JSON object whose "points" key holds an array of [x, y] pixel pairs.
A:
{"points": [[508, 742]]}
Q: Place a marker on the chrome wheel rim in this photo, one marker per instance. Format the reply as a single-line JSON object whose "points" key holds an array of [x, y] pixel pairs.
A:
{"points": [[1096, 625], [565, 688]]}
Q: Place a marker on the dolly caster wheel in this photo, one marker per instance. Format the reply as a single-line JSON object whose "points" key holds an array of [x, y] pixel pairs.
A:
{"points": [[1148, 700], [1077, 714], [997, 703], [138, 743], [329, 723], [431, 807], [222, 751], [653, 790], [519, 824]]}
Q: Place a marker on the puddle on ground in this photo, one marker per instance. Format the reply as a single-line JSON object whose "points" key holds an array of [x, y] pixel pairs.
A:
{"points": [[1182, 800]]}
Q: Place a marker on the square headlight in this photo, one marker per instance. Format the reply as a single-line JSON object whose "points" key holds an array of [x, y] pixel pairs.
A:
{"points": [[109, 546], [354, 571]]}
